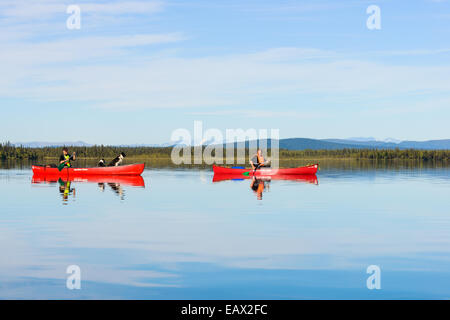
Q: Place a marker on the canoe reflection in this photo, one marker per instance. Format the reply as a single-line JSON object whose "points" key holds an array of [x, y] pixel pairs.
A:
{"points": [[262, 183], [308, 178], [115, 183]]}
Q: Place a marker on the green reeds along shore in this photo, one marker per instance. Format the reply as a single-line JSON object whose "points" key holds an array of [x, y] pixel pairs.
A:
{"points": [[11, 152]]}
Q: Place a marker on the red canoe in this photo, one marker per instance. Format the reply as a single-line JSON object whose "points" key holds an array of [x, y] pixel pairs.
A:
{"points": [[129, 170], [309, 178], [312, 169]]}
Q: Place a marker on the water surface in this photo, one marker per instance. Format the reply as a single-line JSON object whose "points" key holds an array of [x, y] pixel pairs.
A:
{"points": [[179, 235]]}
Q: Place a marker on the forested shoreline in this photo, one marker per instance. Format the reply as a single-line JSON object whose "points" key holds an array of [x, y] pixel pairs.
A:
{"points": [[11, 152]]}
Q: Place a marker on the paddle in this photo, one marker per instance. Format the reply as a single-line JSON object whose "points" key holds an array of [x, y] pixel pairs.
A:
{"points": [[254, 170], [62, 164]]}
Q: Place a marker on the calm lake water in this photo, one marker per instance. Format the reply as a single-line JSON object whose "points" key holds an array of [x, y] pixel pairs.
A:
{"points": [[176, 234]]}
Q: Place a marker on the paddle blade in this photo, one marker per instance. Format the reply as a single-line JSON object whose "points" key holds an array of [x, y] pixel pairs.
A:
{"points": [[61, 166]]}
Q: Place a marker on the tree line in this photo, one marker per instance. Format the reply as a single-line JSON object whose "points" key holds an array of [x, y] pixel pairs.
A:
{"points": [[371, 154], [9, 151]]}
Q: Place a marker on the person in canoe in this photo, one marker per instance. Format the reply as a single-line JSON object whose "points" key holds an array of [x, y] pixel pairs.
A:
{"points": [[65, 158], [258, 161]]}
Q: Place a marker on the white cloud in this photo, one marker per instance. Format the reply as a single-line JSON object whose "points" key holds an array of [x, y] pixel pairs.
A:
{"points": [[255, 113], [24, 9], [123, 71], [78, 49], [124, 7], [121, 79], [415, 52], [21, 9]]}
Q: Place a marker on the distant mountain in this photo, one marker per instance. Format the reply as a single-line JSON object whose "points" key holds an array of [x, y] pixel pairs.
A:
{"points": [[372, 139], [392, 140], [149, 145], [290, 144], [430, 144], [334, 144], [40, 144], [426, 145], [364, 144], [301, 144], [315, 144], [361, 139]]}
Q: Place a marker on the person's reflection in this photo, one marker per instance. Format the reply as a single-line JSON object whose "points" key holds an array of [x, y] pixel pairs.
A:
{"points": [[258, 186], [65, 190]]}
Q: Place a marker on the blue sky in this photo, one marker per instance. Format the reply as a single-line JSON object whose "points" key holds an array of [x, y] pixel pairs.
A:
{"points": [[138, 70]]}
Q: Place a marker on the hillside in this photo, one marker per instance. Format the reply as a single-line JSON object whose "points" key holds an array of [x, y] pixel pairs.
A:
{"points": [[290, 144]]}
